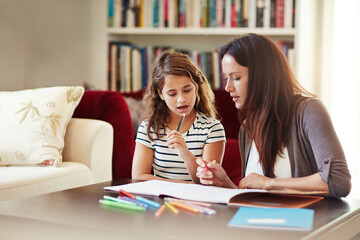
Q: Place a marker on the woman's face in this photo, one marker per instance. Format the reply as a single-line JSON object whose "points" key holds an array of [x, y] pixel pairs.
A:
{"points": [[179, 94], [236, 77]]}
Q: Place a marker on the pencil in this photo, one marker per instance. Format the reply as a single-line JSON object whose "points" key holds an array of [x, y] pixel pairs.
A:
{"points": [[205, 169], [185, 207], [188, 201], [108, 203], [160, 211], [123, 192], [171, 208], [180, 122]]}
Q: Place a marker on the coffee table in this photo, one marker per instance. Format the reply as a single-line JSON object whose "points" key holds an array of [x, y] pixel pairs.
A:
{"points": [[76, 214]]}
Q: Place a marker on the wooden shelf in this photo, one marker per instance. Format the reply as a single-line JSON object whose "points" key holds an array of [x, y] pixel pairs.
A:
{"points": [[290, 32]]}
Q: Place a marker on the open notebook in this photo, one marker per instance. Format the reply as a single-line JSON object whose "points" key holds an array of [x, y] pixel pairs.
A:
{"points": [[211, 194]]}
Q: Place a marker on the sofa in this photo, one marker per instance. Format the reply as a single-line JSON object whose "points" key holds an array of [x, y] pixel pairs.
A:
{"points": [[228, 117], [86, 160], [98, 146]]}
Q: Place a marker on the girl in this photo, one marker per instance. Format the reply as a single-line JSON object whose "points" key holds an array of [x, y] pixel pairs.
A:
{"points": [[286, 137], [177, 88]]}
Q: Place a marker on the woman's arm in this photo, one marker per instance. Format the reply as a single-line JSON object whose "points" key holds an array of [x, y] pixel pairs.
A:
{"points": [[323, 143], [309, 183]]}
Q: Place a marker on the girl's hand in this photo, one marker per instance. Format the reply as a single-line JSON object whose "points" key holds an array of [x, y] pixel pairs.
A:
{"points": [[212, 173], [257, 181], [176, 141]]}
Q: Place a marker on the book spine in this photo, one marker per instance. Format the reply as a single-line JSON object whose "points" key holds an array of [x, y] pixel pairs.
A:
{"points": [[252, 14], [182, 13], [189, 14], [279, 13], [267, 9], [161, 13], [212, 13], [260, 13], [233, 14], [288, 11], [196, 16], [117, 13], [110, 21], [227, 13], [237, 13], [156, 14], [219, 13], [166, 13], [245, 12], [142, 13], [272, 12]]}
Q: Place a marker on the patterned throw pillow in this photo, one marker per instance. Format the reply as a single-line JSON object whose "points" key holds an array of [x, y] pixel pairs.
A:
{"points": [[33, 124]]}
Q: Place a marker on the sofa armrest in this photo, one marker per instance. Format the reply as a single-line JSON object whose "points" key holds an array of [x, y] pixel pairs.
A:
{"points": [[111, 107], [90, 142]]}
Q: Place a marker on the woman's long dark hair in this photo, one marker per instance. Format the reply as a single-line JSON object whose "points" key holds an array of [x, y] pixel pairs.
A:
{"points": [[270, 95]]}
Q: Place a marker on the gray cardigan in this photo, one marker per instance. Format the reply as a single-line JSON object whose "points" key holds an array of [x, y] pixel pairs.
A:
{"points": [[313, 147]]}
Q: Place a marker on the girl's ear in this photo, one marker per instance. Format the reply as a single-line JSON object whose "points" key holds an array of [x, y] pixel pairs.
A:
{"points": [[160, 94]]}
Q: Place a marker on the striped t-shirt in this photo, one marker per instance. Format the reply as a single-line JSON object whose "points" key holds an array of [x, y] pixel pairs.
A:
{"points": [[167, 164]]}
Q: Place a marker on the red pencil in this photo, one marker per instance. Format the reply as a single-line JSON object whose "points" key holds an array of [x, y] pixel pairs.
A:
{"points": [[127, 194]]}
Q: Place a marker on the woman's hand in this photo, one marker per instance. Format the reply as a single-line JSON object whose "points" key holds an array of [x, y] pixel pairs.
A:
{"points": [[212, 173], [257, 181]]}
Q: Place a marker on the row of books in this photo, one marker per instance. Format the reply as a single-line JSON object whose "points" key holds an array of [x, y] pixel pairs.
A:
{"points": [[130, 66], [201, 13]]}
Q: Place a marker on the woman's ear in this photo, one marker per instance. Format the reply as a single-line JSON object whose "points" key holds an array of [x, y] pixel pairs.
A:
{"points": [[160, 94]]}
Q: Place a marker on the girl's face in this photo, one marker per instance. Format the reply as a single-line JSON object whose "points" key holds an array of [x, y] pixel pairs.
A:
{"points": [[236, 77], [179, 94]]}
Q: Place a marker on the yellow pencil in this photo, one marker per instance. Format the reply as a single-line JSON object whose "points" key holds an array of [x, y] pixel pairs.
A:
{"points": [[160, 211], [171, 208]]}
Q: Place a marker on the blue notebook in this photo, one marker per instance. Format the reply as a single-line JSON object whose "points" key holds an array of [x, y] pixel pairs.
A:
{"points": [[275, 218]]}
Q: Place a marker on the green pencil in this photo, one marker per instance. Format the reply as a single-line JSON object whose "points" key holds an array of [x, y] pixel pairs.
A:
{"points": [[107, 203]]}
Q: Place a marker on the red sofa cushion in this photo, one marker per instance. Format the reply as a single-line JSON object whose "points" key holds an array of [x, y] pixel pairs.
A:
{"points": [[232, 160], [111, 107]]}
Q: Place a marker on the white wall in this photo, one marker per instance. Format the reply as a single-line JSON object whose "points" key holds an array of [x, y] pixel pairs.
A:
{"points": [[50, 42]]}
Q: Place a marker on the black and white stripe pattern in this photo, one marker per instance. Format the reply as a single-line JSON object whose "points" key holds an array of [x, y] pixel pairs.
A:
{"points": [[167, 164]]}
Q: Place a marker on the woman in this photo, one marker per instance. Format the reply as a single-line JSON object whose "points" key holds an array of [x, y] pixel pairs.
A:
{"points": [[286, 137], [166, 144]]}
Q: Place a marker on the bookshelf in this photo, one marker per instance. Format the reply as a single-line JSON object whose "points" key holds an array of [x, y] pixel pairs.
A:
{"points": [[196, 38]]}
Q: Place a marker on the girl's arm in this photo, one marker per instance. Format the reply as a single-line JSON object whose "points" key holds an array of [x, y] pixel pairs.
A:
{"points": [[211, 151], [142, 164]]}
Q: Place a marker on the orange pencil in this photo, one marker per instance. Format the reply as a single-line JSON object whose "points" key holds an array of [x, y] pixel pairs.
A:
{"points": [[185, 207], [160, 211]]}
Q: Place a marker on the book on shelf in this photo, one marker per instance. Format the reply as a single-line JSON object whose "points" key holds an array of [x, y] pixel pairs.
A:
{"points": [[273, 218], [212, 194], [279, 13], [110, 18], [201, 13], [128, 63]]}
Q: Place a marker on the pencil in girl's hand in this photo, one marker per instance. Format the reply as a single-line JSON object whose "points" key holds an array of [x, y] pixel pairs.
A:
{"points": [[180, 122]]}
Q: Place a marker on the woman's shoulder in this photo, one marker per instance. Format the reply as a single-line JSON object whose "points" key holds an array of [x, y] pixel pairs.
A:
{"points": [[309, 107]]}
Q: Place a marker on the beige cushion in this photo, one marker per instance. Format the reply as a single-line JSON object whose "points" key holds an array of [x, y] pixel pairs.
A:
{"points": [[33, 124], [26, 181]]}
